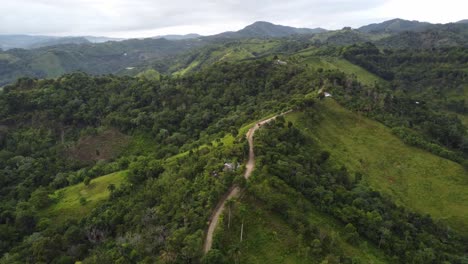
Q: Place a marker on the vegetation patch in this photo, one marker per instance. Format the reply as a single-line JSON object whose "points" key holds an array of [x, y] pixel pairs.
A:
{"points": [[415, 178], [103, 145], [77, 201], [268, 238]]}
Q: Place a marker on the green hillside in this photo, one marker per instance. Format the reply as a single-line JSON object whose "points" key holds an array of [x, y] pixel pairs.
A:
{"points": [[375, 174], [268, 238], [336, 63], [412, 177], [49, 63], [226, 52], [77, 201]]}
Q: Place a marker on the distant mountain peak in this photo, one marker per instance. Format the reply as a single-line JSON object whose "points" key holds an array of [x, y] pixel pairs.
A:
{"points": [[395, 25], [264, 29], [260, 22]]}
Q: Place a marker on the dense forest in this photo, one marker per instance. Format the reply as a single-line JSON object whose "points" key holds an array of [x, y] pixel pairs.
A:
{"points": [[42, 121], [290, 157], [425, 93], [128, 169]]}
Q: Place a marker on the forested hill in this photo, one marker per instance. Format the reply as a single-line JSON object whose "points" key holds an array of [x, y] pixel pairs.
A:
{"points": [[48, 124], [369, 165], [102, 58], [262, 29], [396, 25], [166, 141], [53, 60], [123, 57]]}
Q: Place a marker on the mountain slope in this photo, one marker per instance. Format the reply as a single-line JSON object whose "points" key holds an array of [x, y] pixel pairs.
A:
{"points": [[441, 36], [32, 42], [179, 37], [19, 41], [101, 58], [395, 26], [414, 178], [160, 211], [60, 41], [263, 29]]}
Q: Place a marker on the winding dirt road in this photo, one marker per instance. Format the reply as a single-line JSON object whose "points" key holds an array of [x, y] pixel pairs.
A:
{"points": [[235, 190]]}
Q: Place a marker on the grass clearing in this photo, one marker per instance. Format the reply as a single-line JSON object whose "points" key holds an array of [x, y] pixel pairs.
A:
{"points": [[48, 63], [268, 238], [424, 182], [334, 63], [183, 71], [68, 205], [8, 57], [227, 141]]}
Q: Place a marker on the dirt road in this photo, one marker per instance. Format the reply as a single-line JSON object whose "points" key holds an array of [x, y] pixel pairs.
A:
{"points": [[234, 191]]}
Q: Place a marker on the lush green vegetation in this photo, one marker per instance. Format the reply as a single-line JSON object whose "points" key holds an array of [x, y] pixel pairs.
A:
{"points": [[288, 155], [119, 169], [437, 130], [103, 58], [414, 178], [175, 115], [77, 201], [275, 236]]}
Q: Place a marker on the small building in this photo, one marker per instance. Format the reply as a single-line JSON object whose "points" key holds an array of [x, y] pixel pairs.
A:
{"points": [[230, 166], [280, 62], [327, 94]]}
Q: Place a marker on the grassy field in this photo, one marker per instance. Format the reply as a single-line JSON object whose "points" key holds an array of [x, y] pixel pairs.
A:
{"points": [[334, 63], [245, 49], [268, 238], [149, 74], [48, 63], [68, 205], [415, 178], [183, 71], [8, 57], [227, 141]]}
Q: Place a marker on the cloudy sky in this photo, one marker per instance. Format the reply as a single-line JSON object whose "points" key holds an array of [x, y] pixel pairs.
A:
{"points": [[144, 18]]}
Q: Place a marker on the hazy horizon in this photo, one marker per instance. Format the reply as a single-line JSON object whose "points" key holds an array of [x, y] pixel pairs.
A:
{"points": [[147, 18]]}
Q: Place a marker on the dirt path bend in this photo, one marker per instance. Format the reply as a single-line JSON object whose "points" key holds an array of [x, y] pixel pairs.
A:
{"points": [[235, 191]]}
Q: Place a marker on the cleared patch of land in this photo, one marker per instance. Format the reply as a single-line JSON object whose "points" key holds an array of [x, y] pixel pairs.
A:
{"points": [[413, 177], [77, 201], [102, 146], [334, 63], [267, 238]]}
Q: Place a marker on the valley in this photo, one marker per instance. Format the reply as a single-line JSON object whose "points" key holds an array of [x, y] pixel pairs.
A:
{"points": [[270, 144]]}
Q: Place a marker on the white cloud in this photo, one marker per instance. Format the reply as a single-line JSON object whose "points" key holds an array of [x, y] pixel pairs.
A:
{"points": [[138, 18], [434, 11]]}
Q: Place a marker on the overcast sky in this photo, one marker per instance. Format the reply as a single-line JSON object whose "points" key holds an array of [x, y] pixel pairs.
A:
{"points": [[144, 18]]}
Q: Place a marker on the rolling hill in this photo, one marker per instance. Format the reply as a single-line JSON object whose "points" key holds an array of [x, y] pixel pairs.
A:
{"points": [[368, 164], [395, 26], [261, 29], [34, 42]]}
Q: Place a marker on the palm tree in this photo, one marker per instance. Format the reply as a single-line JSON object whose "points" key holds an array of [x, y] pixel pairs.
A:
{"points": [[243, 211], [229, 204]]}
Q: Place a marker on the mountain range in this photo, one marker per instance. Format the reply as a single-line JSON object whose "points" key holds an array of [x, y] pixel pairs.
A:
{"points": [[43, 56], [271, 144], [395, 26], [259, 29], [262, 29], [32, 42]]}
